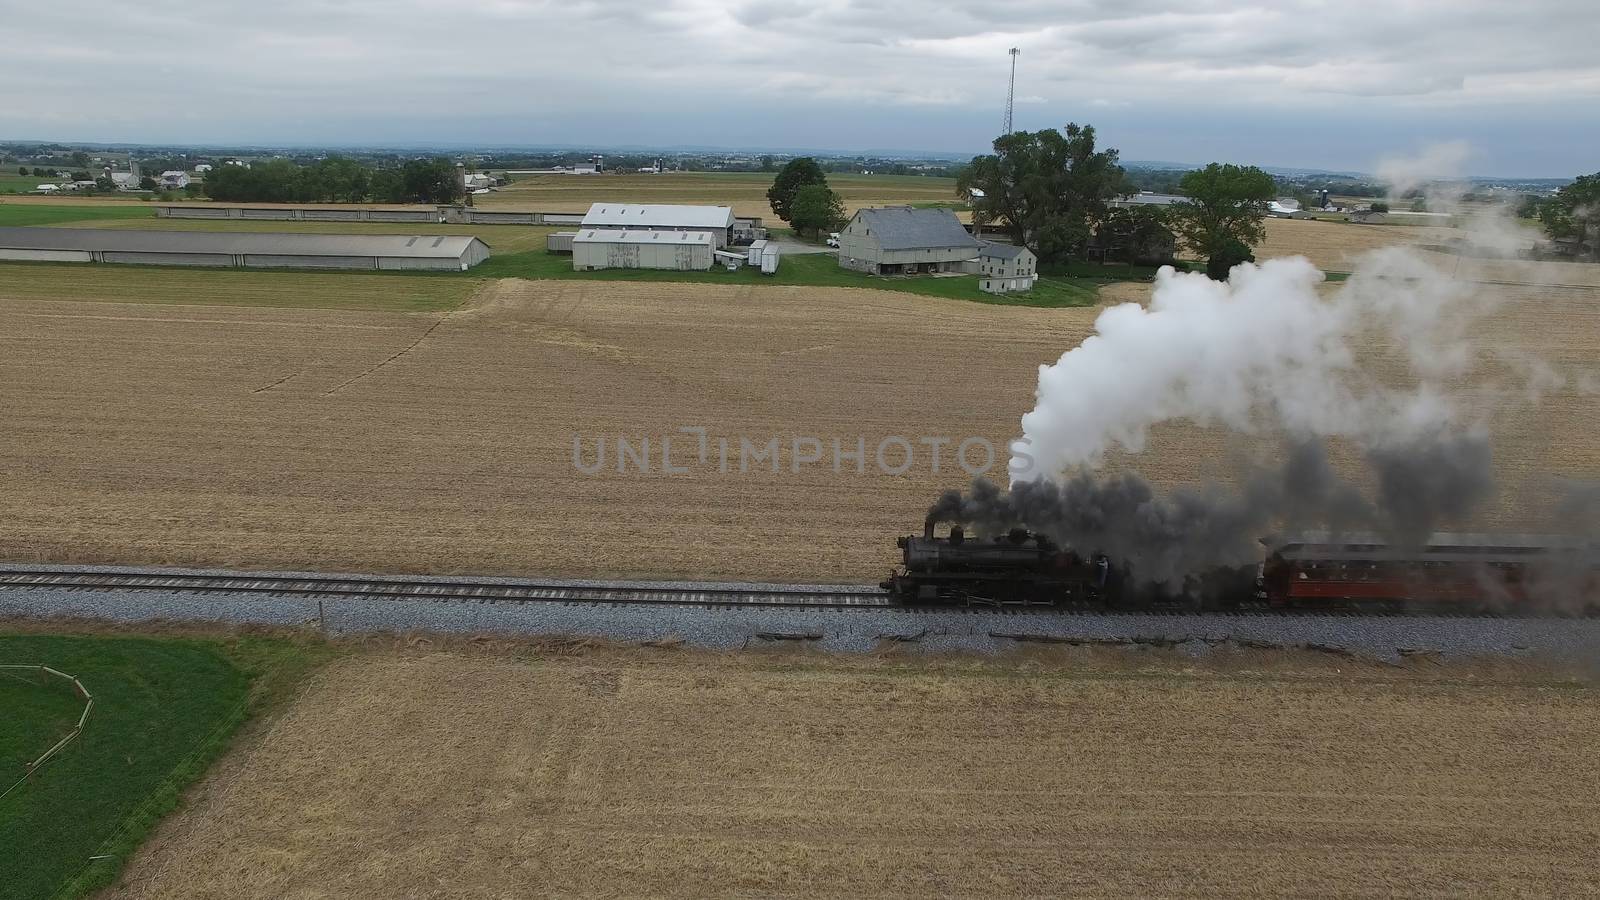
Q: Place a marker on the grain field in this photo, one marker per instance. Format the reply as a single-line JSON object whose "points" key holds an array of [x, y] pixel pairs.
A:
{"points": [[440, 437], [746, 192], [680, 775]]}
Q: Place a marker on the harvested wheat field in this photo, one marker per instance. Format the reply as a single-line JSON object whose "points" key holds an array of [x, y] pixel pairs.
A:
{"points": [[746, 192], [659, 773], [1334, 246], [438, 436]]}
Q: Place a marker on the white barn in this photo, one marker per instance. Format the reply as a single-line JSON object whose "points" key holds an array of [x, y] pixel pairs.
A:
{"points": [[604, 248], [716, 220]]}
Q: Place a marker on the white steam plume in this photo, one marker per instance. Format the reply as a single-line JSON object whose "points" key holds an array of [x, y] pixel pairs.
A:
{"points": [[1434, 162], [1263, 351]]}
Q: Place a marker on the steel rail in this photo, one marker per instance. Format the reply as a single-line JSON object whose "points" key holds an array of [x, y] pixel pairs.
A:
{"points": [[442, 590]]}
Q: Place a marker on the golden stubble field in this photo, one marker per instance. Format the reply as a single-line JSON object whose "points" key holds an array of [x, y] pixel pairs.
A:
{"points": [[745, 192], [678, 774], [443, 441]]}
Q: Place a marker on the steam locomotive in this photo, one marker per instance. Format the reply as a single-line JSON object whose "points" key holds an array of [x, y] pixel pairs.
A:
{"points": [[1462, 573]]}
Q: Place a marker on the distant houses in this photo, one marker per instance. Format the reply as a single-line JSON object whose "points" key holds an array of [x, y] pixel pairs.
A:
{"points": [[173, 180], [903, 240]]}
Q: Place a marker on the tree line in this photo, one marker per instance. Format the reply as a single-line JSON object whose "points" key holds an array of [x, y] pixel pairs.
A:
{"points": [[335, 180], [1052, 191]]}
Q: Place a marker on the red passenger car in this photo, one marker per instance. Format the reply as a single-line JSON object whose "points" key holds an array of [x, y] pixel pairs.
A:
{"points": [[1466, 573]]}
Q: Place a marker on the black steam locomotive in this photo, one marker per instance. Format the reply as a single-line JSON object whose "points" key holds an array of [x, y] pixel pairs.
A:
{"points": [[1019, 568]]}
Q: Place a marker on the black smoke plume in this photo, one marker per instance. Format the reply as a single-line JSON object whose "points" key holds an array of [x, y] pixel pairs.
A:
{"points": [[1167, 539]]}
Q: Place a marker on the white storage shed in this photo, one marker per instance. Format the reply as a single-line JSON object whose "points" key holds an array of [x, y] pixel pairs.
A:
{"points": [[602, 248], [716, 220]]}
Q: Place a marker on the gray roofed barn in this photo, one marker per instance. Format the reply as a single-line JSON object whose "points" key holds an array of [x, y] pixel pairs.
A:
{"points": [[239, 248], [895, 240], [909, 228]]}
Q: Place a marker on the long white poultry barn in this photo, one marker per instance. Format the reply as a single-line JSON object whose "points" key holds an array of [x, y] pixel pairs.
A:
{"points": [[602, 248], [452, 252], [716, 220]]}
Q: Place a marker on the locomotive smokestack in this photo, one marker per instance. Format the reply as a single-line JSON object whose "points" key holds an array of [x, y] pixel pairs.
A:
{"points": [[927, 527]]}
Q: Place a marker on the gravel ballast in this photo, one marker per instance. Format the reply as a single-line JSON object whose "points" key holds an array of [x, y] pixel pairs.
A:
{"points": [[842, 630]]}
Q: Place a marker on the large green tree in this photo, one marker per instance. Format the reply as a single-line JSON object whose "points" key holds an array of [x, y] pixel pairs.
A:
{"points": [[795, 174], [1574, 211], [1138, 235], [1046, 189], [816, 208], [1224, 213]]}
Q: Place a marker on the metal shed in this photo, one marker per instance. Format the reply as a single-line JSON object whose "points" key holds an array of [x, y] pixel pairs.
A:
{"points": [[716, 220], [600, 248], [249, 249]]}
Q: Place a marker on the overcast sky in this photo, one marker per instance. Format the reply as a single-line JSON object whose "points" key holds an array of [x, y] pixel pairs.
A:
{"points": [[1291, 82]]}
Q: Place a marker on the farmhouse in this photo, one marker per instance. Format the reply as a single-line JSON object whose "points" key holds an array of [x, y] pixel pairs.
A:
{"points": [[894, 240], [174, 180], [252, 250], [1003, 268], [604, 248], [716, 220]]}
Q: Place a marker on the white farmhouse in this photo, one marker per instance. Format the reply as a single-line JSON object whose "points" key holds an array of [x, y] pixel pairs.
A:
{"points": [[1003, 268]]}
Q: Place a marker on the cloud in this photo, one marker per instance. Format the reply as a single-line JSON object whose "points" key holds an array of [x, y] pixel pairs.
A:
{"points": [[841, 71]]}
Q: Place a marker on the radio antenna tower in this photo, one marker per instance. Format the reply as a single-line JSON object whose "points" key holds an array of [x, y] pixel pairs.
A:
{"points": [[1011, 89]]}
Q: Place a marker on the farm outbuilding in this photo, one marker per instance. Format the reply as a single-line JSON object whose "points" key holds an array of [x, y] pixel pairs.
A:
{"points": [[251, 250], [300, 213], [716, 220], [1146, 198], [600, 248], [895, 240]]}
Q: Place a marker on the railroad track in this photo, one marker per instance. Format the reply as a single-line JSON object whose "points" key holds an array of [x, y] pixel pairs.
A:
{"points": [[512, 591], [352, 587]]}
